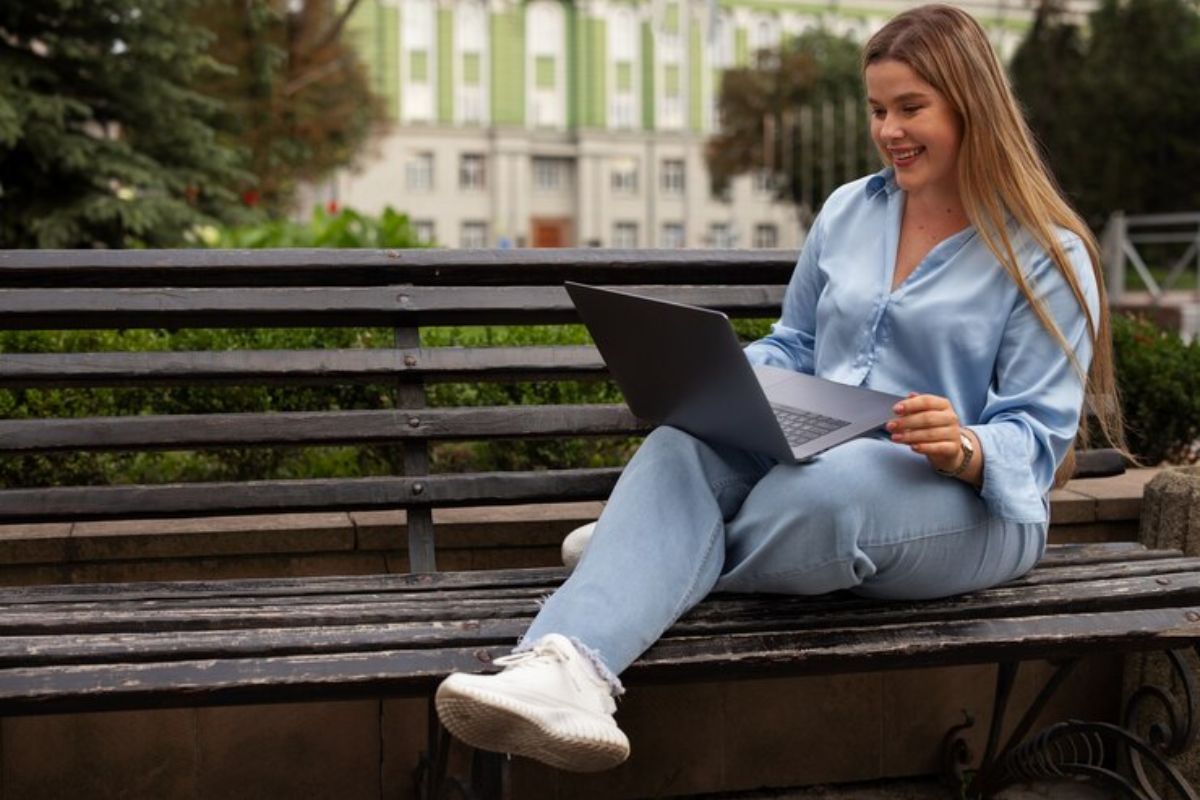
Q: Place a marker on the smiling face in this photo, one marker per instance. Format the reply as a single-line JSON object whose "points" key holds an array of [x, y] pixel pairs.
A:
{"points": [[915, 129]]}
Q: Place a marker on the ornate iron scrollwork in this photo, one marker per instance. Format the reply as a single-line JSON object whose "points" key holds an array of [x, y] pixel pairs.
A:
{"points": [[1117, 758]]}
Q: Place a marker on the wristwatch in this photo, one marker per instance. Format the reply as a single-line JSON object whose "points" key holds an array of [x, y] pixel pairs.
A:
{"points": [[968, 451]]}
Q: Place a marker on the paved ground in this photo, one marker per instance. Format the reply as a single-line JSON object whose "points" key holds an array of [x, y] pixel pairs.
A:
{"points": [[912, 790]]}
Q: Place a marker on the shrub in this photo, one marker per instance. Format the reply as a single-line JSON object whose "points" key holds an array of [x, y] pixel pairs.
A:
{"points": [[1158, 376], [326, 227]]}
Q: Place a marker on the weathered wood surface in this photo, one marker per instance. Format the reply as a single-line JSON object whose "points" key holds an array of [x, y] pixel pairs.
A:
{"points": [[326, 267], [450, 616], [216, 642], [300, 367], [314, 428], [326, 494], [355, 307]]}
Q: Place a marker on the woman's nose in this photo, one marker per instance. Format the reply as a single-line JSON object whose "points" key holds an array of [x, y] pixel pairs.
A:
{"points": [[890, 129]]}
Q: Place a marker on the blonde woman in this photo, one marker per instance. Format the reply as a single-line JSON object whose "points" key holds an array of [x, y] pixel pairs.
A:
{"points": [[957, 277]]}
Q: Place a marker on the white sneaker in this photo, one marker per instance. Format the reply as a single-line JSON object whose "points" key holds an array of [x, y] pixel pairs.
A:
{"points": [[548, 704], [575, 543]]}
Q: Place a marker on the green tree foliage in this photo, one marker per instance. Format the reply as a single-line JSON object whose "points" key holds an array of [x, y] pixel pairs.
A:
{"points": [[1117, 106], [104, 141], [296, 98], [760, 112]]}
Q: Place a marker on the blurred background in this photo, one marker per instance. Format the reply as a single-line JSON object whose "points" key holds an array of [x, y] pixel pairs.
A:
{"points": [[501, 123], [543, 123]]}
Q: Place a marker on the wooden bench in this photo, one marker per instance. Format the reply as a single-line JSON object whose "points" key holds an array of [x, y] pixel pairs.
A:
{"points": [[151, 645]]}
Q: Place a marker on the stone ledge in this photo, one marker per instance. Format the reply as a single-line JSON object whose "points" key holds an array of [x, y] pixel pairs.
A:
{"points": [[1082, 505], [1101, 499]]}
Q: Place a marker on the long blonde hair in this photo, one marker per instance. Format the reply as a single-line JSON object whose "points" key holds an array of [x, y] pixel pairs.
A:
{"points": [[1001, 174]]}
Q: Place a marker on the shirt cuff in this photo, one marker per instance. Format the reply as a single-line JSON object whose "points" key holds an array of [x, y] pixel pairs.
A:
{"points": [[1009, 490]]}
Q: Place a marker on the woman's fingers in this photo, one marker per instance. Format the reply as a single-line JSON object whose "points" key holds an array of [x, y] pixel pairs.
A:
{"points": [[942, 433], [926, 422]]}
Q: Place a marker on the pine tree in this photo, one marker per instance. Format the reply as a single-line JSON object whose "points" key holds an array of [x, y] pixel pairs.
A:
{"points": [[104, 142]]}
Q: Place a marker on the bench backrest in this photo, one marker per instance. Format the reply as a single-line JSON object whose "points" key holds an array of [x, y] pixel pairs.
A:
{"points": [[402, 290]]}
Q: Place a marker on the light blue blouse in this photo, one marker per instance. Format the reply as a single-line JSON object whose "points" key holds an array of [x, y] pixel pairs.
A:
{"points": [[957, 327]]}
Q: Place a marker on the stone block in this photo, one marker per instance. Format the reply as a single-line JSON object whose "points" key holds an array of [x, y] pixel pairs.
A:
{"points": [[314, 751], [405, 733], [179, 538], [1170, 519], [919, 706], [1068, 507], [113, 755], [32, 544], [1117, 497]]}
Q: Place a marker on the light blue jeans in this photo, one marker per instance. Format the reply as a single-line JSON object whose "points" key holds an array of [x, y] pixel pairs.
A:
{"points": [[687, 518]]}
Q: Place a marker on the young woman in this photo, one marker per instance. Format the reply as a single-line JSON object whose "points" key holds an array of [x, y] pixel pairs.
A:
{"points": [[957, 277]]}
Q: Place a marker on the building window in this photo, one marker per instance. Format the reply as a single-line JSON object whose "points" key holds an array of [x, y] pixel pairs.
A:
{"points": [[720, 235], [418, 60], [419, 173], [625, 176], [472, 172], [766, 236], [424, 230], [546, 58], [624, 47], [544, 72], [625, 235], [471, 45], [474, 235], [723, 38], [672, 176], [671, 19], [672, 235], [550, 174], [418, 66], [764, 181]]}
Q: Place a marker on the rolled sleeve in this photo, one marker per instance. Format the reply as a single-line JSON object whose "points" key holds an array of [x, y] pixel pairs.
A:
{"points": [[792, 341], [1034, 403]]}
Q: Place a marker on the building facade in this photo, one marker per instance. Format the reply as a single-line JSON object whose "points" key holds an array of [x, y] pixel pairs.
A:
{"points": [[550, 123]]}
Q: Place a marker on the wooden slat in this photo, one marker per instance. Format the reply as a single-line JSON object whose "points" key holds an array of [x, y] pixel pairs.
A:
{"points": [[301, 367], [543, 578], [35, 626], [31, 690], [254, 497], [308, 586], [63, 309], [181, 431], [363, 267]]}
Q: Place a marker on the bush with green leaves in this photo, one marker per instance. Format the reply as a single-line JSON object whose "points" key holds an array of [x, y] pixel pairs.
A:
{"points": [[1158, 377], [327, 226]]}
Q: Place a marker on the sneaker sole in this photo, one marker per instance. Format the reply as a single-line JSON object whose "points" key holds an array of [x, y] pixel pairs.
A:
{"points": [[504, 725]]}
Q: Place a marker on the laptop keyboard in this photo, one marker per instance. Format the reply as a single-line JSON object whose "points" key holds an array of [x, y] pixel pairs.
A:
{"points": [[804, 426]]}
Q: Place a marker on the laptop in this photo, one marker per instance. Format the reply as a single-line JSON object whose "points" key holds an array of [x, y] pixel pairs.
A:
{"points": [[683, 366]]}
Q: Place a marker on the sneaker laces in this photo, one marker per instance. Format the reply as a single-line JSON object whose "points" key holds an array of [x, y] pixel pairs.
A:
{"points": [[539, 653]]}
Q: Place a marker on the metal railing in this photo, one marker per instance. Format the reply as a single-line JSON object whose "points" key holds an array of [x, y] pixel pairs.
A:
{"points": [[1122, 235]]}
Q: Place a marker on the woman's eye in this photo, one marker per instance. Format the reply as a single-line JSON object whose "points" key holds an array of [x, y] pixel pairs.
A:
{"points": [[911, 109]]}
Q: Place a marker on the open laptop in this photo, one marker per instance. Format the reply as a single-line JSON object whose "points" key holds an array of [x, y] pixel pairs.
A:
{"points": [[683, 366]]}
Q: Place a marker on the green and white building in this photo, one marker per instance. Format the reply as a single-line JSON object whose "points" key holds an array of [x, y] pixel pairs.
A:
{"points": [[552, 123]]}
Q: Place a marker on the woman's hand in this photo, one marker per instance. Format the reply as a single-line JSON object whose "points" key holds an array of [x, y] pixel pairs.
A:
{"points": [[929, 425]]}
